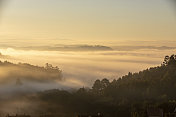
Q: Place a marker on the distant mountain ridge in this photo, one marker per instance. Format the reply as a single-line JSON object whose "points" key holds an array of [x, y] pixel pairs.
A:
{"points": [[65, 48]]}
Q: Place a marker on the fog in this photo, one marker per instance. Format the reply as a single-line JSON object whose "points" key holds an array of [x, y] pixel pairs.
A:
{"points": [[35, 34], [81, 69]]}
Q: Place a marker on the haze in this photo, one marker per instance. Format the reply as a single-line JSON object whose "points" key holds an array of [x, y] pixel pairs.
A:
{"points": [[58, 31]]}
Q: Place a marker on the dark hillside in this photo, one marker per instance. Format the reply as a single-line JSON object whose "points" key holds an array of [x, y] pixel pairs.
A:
{"points": [[127, 96]]}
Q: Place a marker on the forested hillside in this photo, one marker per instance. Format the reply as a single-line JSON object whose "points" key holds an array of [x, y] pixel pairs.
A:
{"points": [[132, 93], [27, 72]]}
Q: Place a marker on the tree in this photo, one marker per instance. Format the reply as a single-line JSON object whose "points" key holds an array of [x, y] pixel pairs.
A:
{"points": [[97, 85], [104, 83], [170, 60]]}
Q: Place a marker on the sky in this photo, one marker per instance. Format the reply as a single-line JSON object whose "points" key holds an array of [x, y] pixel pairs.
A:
{"points": [[140, 33], [86, 21], [137, 33]]}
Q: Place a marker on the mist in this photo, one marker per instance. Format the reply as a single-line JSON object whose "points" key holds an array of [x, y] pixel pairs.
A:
{"points": [[67, 57], [81, 69]]}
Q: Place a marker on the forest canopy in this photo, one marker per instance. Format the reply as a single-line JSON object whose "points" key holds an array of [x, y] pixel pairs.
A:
{"points": [[134, 92]]}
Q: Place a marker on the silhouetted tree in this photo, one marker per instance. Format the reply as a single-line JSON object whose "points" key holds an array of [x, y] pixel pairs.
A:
{"points": [[127, 96], [170, 60]]}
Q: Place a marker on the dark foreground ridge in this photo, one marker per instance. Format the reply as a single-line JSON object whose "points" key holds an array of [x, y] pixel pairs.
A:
{"points": [[50, 115]]}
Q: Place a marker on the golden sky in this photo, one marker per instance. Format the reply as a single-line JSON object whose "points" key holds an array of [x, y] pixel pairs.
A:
{"points": [[86, 21], [145, 23]]}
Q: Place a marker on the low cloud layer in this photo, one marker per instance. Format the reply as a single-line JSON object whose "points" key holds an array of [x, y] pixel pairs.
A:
{"points": [[132, 48], [79, 69], [80, 48], [83, 68]]}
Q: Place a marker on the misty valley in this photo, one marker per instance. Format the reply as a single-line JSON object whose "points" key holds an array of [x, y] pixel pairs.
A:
{"points": [[150, 92], [87, 58]]}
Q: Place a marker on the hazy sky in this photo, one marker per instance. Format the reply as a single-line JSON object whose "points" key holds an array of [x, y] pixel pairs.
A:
{"points": [[83, 20], [106, 22]]}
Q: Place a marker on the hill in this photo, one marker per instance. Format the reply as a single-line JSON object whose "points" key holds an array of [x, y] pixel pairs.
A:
{"points": [[132, 93], [77, 48], [127, 96], [26, 72]]}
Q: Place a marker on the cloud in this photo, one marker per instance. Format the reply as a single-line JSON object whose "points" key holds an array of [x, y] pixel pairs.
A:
{"points": [[132, 48], [79, 48], [4, 56], [83, 68]]}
